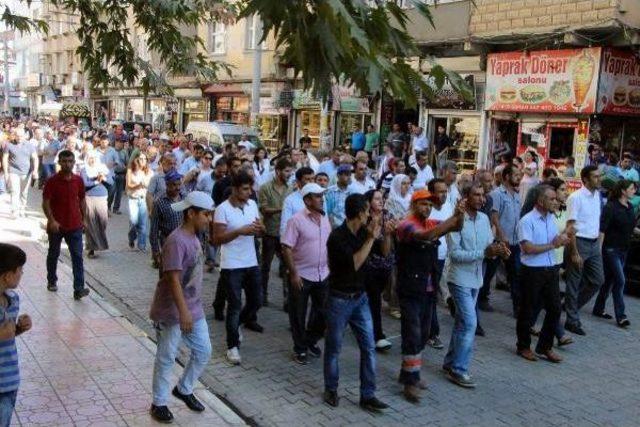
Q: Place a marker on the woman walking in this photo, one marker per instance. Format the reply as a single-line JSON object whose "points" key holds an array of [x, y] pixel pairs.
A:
{"points": [[94, 175], [617, 223], [138, 176]]}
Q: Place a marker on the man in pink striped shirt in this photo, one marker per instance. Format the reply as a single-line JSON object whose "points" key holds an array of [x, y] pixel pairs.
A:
{"points": [[304, 249]]}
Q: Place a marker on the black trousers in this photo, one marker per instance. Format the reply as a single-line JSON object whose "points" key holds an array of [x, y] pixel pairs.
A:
{"points": [[375, 282], [539, 287], [307, 332], [270, 248], [415, 328]]}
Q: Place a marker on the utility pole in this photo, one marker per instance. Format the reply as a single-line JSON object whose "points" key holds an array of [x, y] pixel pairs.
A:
{"points": [[257, 71], [6, 76]]}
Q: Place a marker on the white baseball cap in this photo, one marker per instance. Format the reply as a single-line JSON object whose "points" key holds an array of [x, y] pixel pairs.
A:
{"points": [[195, 199], [312, 188]]}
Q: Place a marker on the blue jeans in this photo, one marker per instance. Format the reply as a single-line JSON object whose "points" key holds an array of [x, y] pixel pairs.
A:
{"points": [[73, 240], [356, 313], [138, 219], [48, 171], [234, 281], [169, 339], [460, 351], [614, 282], [7, 404]]}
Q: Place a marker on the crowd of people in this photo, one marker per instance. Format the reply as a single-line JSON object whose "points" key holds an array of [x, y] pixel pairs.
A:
{"points": [[356, 229]]}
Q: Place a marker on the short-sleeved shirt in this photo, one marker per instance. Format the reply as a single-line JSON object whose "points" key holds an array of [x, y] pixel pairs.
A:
{"points": [[307, 234], [241, 251], [341, 246], [20, 157], [538, 229], [181, 252], [584, 207], [507, 205], [9, 368], [293, 204], [271, 196], [65, 195], [361, 187], [630, 174]]}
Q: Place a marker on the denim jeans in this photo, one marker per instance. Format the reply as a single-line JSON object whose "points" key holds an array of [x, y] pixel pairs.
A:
{"points": [[460, 351], [19, 191], [138, 219], [7, 405], [235, 280], [169, 339], [583, 283], [118, 189], [48, 171], [73, 239], [307, 332], [356, 313], [376, 281], [614, 282]]}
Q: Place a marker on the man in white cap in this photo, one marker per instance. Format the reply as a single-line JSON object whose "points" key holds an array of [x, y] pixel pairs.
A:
{"points": [[304, 249], [177, 310]]}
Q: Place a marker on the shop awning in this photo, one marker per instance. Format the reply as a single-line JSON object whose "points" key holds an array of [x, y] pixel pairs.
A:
{"points": [[222, 89]]}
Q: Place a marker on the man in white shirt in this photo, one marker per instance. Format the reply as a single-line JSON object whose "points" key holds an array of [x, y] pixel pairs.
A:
{"points": [[584, 274], [246, 143], [181, 150], [360, 182], [449, 174], [425, 173], [419, 140], [330, 166], [235, 225]]}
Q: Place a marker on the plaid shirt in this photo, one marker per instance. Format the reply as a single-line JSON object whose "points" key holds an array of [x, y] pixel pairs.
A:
{"points": [[163, 221]]}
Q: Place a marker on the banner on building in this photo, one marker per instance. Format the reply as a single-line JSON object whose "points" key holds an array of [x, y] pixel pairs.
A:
{"points": [[619, 91], [551, 81], [447, 97]]}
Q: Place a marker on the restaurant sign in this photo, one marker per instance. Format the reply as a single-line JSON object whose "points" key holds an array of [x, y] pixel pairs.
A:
{"points": [[550, 81], [619, 82]]}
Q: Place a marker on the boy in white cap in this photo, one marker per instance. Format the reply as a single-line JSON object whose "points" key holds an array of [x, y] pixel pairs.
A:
{"points": [[177, 310]]}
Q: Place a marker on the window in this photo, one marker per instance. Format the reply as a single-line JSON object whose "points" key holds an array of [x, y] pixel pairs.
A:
{"points": [[218, 35], [253, 33]]}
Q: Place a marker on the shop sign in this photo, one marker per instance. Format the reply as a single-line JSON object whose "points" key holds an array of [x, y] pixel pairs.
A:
{"points": [[551, 81], [172, 105], [268, 105], [360, 105], [304, 99], [581, 145], [447, 97], [619, 90]]}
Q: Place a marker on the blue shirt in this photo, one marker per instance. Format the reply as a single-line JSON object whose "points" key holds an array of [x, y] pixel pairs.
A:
{"points": [[539, 229], [293, 204], [466, 251], [9, 369], [330, 168], [334, 199], [358, 140], [188, 164], [508, 207]]}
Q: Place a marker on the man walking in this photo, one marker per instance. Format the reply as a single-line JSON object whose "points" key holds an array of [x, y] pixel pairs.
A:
{"points": [[64, 205], [539, 238], [119, 174], [20, 163], [164, 219], [348, 248], [304, 248], [177, 310], [584, 274], [425, 173]]}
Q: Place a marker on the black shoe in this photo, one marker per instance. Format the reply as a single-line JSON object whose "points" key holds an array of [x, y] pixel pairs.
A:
{"points": [[452, 307], [484, 305], [603, 315], [373, 404], [77, 295], [314, 350], [300, 358], [480, 331], [624, 323], [189, 400], [52, 287], [463, 380], [162, 414], [254, 326], [331, 398], [576, 329]]}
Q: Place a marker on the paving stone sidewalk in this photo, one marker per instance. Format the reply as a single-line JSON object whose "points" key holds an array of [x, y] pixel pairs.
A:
{"points": [[83, 363], [597, 384]]}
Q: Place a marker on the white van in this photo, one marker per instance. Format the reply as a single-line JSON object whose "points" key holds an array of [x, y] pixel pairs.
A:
{"points": [[220, 133]]}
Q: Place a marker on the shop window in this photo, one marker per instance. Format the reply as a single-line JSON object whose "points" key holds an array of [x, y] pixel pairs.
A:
{"points": [[348, 121], [464, 132], [561, 142], [311, 120]]}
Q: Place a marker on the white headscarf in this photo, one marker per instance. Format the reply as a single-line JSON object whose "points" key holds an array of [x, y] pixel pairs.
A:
{"points": [[395, 192]]}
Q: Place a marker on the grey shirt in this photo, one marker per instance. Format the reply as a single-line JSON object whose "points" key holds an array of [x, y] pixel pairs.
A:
{"points": [[20, 157]]}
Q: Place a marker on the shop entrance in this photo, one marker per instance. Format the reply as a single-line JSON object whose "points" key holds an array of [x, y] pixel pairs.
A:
{"points": [[561, 142], [405, 114]]}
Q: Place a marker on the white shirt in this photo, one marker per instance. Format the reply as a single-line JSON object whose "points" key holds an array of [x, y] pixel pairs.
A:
{"points": [[361, 187], [584, 207], [424, 176], [453, 194], [445, 212], [241, 251], [179, 155], [247, 144], [420, 142]]}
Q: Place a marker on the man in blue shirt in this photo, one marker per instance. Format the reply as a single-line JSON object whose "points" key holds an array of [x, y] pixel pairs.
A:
{"points": [[358, 140], [539, 238]]}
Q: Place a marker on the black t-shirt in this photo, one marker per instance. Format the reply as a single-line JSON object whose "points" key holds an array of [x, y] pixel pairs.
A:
{"points": [[219, 193], [617, 223], [341, 246], [442, 142]]}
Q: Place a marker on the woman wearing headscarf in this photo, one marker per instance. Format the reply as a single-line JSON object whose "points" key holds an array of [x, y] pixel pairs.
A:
{"points": [[94, 175], [399, 199]]}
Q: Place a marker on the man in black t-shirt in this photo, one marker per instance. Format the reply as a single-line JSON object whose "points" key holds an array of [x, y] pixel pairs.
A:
{"points": [[348, 248]]}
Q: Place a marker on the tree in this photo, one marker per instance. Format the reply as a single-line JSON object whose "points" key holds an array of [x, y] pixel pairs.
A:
{"points": [[360, 42]]}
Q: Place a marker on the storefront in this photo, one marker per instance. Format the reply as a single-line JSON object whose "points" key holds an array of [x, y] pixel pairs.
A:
{"points": [[192, 110], [308, 115], [351, 111], [272, 124], [228, 102], [542, 101]]}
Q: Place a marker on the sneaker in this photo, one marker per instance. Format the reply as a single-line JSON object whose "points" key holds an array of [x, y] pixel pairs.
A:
{"points": [[624, 323], [300, 358], [314, 350], [383, 345], [233, 356], [52, 287], [189, 399], [162, 414], [372, 404], [78, 295], [463, 380], [331, 398], [603, 315], [435, 343]]}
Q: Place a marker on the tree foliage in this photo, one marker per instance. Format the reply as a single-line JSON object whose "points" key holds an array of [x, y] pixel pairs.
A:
{"points": [[360, 42]]}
